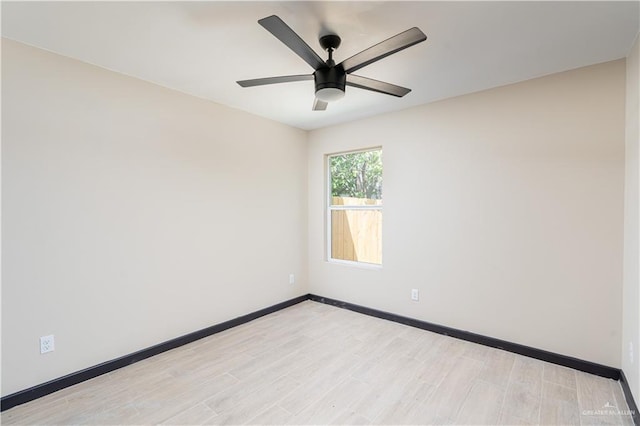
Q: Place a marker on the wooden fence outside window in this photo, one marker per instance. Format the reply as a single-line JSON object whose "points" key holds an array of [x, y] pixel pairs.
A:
{"points": [[356, 234]]}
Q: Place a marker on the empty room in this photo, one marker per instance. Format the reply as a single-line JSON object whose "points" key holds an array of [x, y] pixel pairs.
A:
{"points": [[325, 212]]}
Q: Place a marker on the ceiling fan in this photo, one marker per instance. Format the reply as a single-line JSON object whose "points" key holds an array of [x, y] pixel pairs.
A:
{"points": [[331, 79]]}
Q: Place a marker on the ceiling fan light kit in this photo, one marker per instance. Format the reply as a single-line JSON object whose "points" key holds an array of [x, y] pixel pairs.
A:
{"points": [[330, 94], [331, 79]]}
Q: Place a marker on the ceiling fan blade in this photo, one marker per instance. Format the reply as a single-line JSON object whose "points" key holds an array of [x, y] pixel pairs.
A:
{"points": [[319, 105], [285, 34], [274, 80], [382, 50], [376, 86]]}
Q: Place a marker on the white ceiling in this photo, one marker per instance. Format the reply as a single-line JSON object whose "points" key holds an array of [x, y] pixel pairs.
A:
{"points": [[202, 48]]}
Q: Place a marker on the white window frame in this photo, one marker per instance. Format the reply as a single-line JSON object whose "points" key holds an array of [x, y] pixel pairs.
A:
{"points": [[329, 208]]}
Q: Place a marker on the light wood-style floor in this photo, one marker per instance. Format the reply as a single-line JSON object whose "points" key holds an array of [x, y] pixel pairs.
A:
{"points": [[317, 364]]}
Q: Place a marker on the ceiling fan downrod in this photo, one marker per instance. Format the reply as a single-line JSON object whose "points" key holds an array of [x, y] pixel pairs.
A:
{"points": [[330, 81]]}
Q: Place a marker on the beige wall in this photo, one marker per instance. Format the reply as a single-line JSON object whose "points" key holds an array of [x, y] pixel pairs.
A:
{"points": [[133, 214], [504, 208], [631, 293]]}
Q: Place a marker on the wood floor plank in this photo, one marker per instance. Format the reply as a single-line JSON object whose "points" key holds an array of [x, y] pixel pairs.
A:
{"points": [[560, 375], [559, 405], [497, 367], [483, 404], [529, 372], [521, 403], [266, 360], [318, 383], [559, 392], [349, 417], [507, 418], [234, 410], [332, 404], [452, 391], [440, 361], [554, 412], [194, 415], [408, 413], [273, 415]]}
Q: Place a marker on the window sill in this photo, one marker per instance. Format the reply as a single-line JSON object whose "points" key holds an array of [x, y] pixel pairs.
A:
{"points": [[361, 265]]}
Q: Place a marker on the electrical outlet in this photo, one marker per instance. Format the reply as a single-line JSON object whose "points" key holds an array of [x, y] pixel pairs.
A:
{"points": [[415, 294], [292, 279], [47, 344]]}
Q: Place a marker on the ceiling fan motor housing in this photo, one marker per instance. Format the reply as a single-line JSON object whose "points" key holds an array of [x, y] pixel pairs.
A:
{"points": [[330, 78]]}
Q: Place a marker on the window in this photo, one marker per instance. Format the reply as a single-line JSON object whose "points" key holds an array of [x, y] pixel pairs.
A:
{"points": [[354, 213]]}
